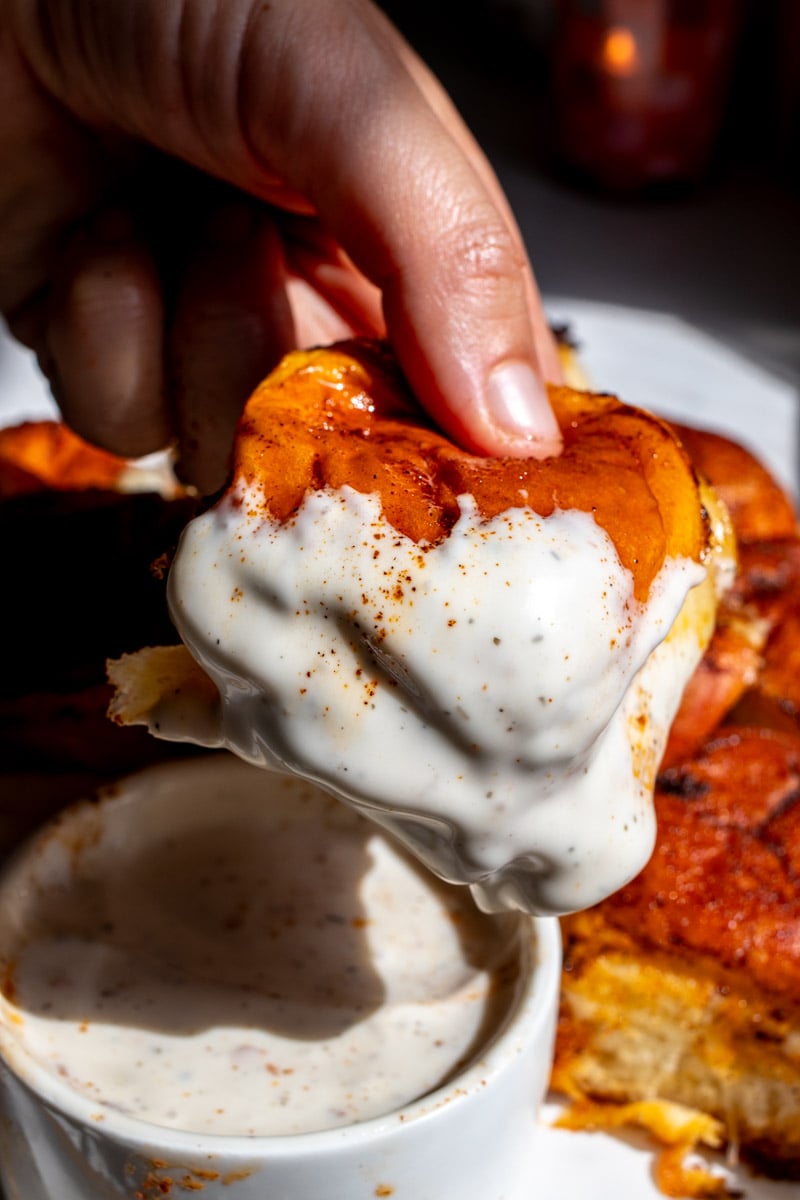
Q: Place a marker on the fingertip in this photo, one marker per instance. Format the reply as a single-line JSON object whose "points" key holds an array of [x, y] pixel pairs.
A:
{"points": [[471, 336], [104, 341], [479, 379], [507, 416]]}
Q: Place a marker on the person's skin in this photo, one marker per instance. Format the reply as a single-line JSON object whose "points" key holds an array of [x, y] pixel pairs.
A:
{"points": [[188, 188]]}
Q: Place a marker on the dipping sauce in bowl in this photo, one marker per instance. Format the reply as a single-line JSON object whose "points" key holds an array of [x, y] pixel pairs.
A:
{"points": [[216, 951]]}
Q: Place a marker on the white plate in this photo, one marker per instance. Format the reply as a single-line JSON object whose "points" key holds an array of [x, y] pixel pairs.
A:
{"points": [[659, 362], [24, 394]]}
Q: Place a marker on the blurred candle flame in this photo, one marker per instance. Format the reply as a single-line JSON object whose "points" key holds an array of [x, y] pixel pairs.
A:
{"points": [[620, 54]]}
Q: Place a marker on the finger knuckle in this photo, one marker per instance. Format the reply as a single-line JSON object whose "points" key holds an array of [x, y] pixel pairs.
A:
{"points": [[484, 253]]}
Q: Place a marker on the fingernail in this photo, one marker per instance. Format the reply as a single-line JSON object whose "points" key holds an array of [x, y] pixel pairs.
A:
{"points": [[517, 401]]}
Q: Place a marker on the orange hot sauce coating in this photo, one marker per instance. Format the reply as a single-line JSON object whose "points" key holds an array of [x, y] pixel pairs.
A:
{"points": [[342, 416], [42, 455]]}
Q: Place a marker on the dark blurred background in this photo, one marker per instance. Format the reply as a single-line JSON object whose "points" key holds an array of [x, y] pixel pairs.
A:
{"points": [[650, 149]]}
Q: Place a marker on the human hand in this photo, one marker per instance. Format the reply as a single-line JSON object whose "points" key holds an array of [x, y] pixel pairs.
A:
{"points": [[189, 188]]}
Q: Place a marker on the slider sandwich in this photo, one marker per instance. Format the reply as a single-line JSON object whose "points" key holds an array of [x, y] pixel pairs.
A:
{"points": [[482, 655]]}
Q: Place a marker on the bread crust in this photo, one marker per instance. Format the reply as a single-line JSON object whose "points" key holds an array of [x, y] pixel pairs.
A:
{"points": [[343, 416]]}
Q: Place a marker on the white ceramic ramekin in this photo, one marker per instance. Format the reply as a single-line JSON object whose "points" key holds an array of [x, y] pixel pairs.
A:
{"points": [[471, 1140]]}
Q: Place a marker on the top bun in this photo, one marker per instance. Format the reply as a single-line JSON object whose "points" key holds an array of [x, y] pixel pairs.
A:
{"points": [[343, 416]]}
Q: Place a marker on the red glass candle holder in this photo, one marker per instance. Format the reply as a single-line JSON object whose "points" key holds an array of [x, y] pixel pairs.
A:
{"points": [[640, 86]]}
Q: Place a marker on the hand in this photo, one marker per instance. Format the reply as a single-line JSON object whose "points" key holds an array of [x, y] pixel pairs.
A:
{"points": [[189, 188]]}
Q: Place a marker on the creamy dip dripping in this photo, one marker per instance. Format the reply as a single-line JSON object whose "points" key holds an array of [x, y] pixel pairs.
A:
{"points": [[225, 951], [498, 700]]}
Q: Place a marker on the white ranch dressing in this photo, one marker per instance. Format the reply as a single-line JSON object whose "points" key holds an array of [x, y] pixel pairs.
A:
{"points": [[498, 700], [223, 951]]}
